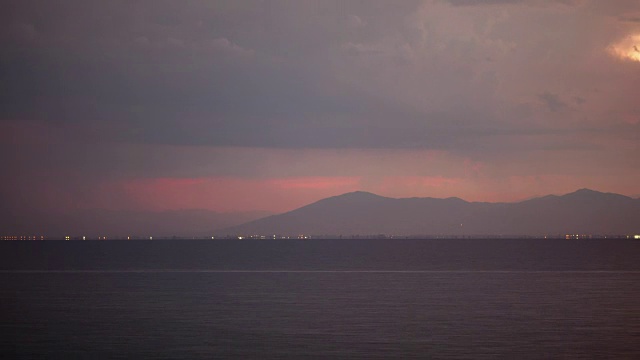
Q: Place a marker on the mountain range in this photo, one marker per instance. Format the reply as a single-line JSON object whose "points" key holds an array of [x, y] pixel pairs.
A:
{"points": [[581, 212]]}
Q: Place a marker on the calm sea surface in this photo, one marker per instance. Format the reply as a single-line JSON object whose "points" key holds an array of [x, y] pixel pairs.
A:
{"points": [[321, 299]]}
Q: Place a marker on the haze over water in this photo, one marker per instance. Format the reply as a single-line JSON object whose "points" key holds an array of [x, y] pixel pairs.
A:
{"points": [[322, 299]]}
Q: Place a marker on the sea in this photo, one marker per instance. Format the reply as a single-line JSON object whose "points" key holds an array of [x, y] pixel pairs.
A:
{"points": [[320, 299]]}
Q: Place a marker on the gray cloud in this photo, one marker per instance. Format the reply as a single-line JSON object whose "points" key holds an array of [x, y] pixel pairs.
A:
{"points": [[275, 74], [632, 19], [552, 102], [178, 77], [485, 2]]}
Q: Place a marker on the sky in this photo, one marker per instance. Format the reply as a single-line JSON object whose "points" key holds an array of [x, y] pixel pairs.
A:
{"points": [[237, 106]]}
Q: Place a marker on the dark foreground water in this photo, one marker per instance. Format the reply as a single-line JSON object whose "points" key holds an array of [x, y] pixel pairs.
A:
{"points": [[321, 299]]}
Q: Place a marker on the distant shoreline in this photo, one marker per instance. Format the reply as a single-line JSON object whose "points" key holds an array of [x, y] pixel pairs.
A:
{"points": [[334, 237]]}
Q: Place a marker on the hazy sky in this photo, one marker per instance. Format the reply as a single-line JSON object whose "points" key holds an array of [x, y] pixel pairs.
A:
{"points": [[269, 105]]}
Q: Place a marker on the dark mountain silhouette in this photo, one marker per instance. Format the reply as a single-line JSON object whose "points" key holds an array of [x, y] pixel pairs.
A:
{"points": [[584, 211]]}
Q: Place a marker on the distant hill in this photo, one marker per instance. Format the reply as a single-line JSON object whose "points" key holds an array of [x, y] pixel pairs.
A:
{"points": [[584, 211]]}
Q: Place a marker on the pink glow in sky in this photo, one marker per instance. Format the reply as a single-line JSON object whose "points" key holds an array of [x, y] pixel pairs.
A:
{"points": [[238, 106]]}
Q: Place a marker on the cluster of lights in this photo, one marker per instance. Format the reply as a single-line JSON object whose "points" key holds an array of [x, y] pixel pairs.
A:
{"points": [[264, 237], [21, 237], [577, 236], [84, 237], [301, 236]]}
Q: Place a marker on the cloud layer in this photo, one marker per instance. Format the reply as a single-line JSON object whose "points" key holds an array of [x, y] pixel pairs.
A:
{"points": [[492, 100]]}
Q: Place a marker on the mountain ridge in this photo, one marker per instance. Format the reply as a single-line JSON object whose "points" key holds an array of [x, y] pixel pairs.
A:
{"points": [[359, 212]]}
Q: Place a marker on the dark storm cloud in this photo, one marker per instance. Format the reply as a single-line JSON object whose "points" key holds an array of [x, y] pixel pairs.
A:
{"points": [[203, 73], [274, 74]]}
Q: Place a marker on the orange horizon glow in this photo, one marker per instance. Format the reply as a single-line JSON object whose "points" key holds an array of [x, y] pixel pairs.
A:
{"points": [[229, 194]]}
